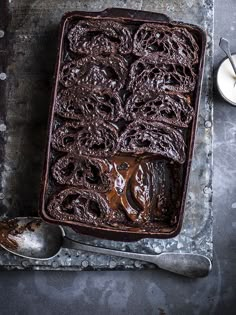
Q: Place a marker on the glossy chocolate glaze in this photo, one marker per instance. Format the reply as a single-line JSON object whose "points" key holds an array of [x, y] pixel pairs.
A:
{"points": [[86, 138], [105, 37], [73, 204], [166, 44], [105, 72], [149, 75], [137, 199], [87, 103], [173, 109], [141, 137], [83, 172], [123, 109]]}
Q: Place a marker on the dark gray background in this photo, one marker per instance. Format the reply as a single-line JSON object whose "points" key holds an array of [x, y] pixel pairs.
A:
{"points": [[151, 292]]}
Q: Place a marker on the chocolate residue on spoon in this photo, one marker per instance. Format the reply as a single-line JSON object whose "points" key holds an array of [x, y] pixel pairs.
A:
{"points": [[10, 229], [7, 233]]}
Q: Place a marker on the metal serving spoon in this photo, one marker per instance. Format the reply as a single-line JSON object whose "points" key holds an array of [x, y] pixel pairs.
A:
{"points": [[224, 45], [34, 239]]}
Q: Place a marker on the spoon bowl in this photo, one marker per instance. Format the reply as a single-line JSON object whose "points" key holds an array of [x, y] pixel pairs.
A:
{"points": [[32, 238]]}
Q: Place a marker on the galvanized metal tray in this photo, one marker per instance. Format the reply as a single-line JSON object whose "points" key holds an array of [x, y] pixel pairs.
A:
{"points": [[27, 57]]}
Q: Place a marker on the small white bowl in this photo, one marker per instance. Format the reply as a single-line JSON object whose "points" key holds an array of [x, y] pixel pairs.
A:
{"points": [[226, 80]]}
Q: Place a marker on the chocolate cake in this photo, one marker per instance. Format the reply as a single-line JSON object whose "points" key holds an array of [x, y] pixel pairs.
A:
{"points": [[123, 111]]}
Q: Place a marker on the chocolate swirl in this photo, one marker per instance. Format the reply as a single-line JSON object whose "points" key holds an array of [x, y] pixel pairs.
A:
{"points": [[100, 37]]}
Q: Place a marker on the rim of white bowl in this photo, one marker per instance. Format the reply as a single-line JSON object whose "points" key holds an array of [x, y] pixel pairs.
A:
{"points": [[218, 87]]}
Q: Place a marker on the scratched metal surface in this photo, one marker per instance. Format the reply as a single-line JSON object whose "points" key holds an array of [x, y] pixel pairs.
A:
{"points": [[28, 61]]}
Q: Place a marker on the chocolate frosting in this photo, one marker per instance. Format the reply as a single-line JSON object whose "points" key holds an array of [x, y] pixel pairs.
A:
{"points": [[100, 37], [166, 44]]}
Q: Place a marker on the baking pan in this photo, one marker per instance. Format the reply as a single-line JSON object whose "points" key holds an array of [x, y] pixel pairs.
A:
{"points": [[178, 176]]}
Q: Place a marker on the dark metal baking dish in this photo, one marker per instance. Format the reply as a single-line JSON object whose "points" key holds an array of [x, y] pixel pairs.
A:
{"points": [[166, 228]]}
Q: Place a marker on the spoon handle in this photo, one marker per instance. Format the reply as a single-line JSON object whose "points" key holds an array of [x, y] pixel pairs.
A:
{"points": [[189, 265], [224, 45], [232, 63]]}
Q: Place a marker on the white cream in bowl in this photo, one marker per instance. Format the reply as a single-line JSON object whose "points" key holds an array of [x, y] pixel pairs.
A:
{"points": [[226, 81]]}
